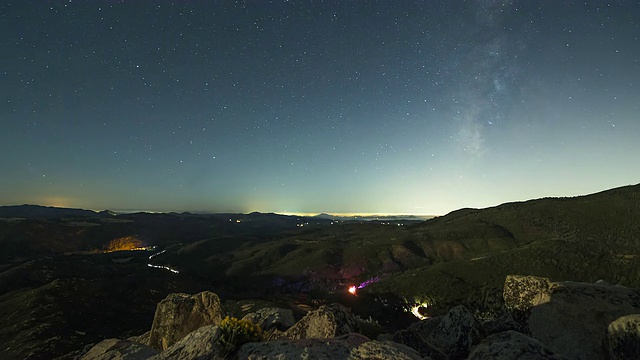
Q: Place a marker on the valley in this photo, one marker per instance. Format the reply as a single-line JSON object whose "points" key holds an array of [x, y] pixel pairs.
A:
{"points": [[61, 288]]}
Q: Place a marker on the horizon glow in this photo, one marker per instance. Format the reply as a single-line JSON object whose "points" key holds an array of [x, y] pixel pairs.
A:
{"points": [[304, 108]]}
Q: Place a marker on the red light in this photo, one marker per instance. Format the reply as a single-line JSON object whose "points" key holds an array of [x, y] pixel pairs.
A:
{"points": [[352, 290]]}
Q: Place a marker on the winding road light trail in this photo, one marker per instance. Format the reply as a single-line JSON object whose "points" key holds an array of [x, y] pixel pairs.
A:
{"points": [[164, 267], [161, 266]]}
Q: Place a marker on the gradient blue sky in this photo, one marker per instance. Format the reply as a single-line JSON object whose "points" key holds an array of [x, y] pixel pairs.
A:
{"points": [[414, 107]]}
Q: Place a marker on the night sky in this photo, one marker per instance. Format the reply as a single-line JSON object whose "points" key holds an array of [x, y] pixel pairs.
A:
{"points": [[392, 106]]}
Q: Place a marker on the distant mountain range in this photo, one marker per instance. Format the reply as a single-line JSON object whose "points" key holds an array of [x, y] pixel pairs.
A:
{"points": [[372, 217], [47, 212]]}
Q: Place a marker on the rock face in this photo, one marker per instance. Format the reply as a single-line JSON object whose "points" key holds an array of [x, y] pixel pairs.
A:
{"points": [[453, 334], [337, 348], [622, 340], [198, 345], [382, 350], [511, 345], [351, 346], [115, 349], [269, 318], [412, 339], [327, 322], [179, 314], [570, 318], [141, 339]]}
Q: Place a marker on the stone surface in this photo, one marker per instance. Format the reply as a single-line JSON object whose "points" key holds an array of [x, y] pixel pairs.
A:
{"points": [[327, 322], [502, 323], [198, 345], [316, 348], [383, 350], [179, 314], [141, 339], [116, 349], [511, 345], [453, 334], [570, 318], [350, 346], [622, 339], [272, 317], [412, 339], [521, 293]]}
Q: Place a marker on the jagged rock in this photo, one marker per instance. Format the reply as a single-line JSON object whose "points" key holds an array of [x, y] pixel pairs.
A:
{"points": [[116, 349], [622, 339], [412, 339], [328, 321], [521, 293], [570, 318], [453, 334], [272, 317], [179, 314], [141, 339], [511, 345], [383, 350], [198, 345], [336, 348]]}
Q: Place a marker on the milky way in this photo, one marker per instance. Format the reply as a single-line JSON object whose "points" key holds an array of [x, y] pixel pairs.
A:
{"points": [[303, 107]]}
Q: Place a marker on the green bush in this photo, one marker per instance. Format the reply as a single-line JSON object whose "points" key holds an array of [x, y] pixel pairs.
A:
{"points": [[235, 333]]}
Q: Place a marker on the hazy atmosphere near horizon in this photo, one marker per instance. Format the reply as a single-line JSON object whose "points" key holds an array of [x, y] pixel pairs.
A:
{"points": [[413, 107]]}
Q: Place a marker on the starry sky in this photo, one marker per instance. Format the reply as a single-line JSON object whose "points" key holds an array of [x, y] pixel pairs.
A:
{"points": [[388, 107]]}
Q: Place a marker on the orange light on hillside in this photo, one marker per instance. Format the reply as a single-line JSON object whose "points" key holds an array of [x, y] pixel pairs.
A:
{"points": [[352, 290], [126, 243]]}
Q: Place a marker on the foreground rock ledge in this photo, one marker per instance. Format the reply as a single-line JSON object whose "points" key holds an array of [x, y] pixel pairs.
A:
{"points": [[546, 320], [179, 314], [570, 318]]}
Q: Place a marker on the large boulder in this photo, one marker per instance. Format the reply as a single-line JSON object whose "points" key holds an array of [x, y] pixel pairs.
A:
{"points": [[272, 317], [511, 345], [570, 318], [622, 340], [116, 349], [198, 345], [452, 335], [179, 314], [327, 322]]}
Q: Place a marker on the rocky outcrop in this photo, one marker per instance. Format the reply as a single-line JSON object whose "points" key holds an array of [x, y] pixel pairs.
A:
{"points": [[350, 346], [545, 320], [116, 349], [622, 340], [503, 322], [453, 334], [336, 348], [179, 314], [327, 322], [570, 318], [198, 345], [412, 339], [269, 318], [511, 345], [141, 339], [383, 350]]}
